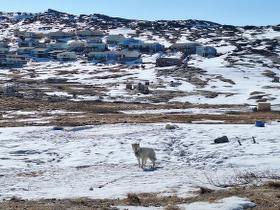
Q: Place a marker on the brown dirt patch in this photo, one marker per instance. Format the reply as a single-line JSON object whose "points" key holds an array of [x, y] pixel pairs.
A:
{"points": [[266, 197], [95, 112]]}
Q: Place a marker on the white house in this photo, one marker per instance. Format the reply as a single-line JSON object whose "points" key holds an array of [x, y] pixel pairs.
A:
{"points": [[67, 56], [34, 35], [114, 39], [76, 45], [131, 43], [57, 46], [130, 55]]}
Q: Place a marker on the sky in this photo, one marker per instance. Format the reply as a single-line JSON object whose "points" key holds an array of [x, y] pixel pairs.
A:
{"points": [[234, 12]]}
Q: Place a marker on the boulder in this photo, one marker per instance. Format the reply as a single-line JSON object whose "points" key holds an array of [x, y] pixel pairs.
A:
{"points": [[170, 126], [220, 140], [264, 107], [129, 86], [58, 128]]}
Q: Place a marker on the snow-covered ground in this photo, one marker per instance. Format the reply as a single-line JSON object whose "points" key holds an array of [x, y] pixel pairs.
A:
{"points": [[98, 162]]}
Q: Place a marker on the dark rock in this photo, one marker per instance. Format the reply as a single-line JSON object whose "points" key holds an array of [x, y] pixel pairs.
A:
{"points": [[275, 79], [58, 128], [220, 140], [144, 89], [129, 86], [170, 126]]}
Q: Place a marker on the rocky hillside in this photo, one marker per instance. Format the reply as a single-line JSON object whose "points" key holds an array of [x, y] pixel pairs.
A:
{"points": [[245, 71]]}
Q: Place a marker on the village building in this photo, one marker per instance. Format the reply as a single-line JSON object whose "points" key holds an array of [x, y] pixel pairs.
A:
{"points": [[25, 43], [96, 47], [33, 35], [45, 28], [31, 42], [76, 45], [24, 50], [130, 43], [40, 52], [4, 44], [152, 47], [103, 56], [60, 35], [57, 46], [114, 39], [187, 48], [67, 56], [4, 51], [162, 62], [13, 61], [53, 54], [94, 40], [130, 56], [19, 34]]}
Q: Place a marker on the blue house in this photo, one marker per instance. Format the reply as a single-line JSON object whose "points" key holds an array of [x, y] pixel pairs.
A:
{"points": [[96, 47], [24, 50], [40, 52], [4, 44], [94, 40], [57, 46], [131, 43], [103, 56]]}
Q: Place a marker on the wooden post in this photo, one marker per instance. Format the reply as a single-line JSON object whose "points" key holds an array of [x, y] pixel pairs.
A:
{"points": [[254, 140]]}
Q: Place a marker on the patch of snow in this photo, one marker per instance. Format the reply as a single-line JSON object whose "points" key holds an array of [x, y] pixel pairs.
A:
{"points": [[231, 203], [225, 49], [58, 93], [219, 111], [70, 161]]}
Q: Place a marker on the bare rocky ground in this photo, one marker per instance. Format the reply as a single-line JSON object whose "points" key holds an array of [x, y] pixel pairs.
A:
{"points": [[266, 197], [84, 113]]}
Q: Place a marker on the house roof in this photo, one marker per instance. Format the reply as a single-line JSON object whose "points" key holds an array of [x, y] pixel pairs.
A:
{"points": [[129, 53], [103, 53], [184, 45], [40, 49]]}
